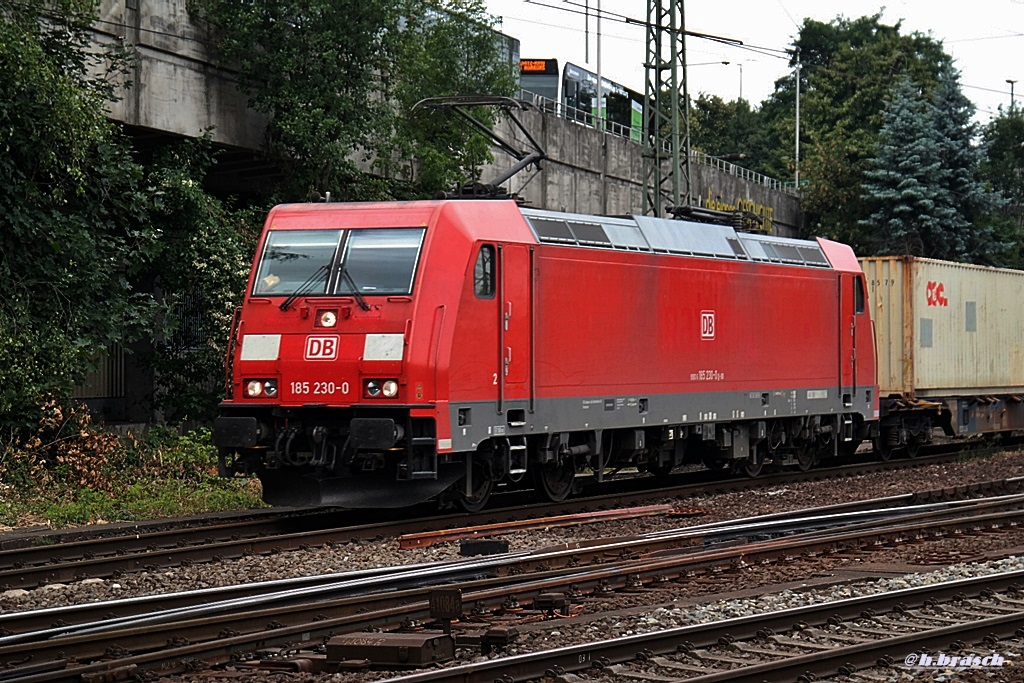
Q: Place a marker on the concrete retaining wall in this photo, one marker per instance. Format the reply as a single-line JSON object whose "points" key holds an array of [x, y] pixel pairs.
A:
{"points": [[178, 90], [590, 172]]}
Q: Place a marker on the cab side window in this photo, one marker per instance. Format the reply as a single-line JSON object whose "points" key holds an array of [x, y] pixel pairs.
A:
{"points": [[858, 295], [483, 273]]}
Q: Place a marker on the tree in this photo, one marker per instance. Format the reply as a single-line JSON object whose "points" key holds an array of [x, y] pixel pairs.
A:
{"points": [[776, 125], [1003, 164], [76, 231], [725, 129], [200, 270], [314, 67], [1003, 168], [911, 211], [974, 203], [923, 187], [444, 50], [848, 69], [339, 79]]}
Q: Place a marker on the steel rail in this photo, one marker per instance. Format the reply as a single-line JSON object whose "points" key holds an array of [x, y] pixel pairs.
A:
{"points": [[306, 626], [213, 600], [709, 534], [138, 553], [44, 551], [580, 657], [853, 657], [425, 539], [36, 536]]}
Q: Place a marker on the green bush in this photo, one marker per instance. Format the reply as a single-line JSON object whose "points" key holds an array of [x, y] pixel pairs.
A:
{"points": [[68, 473]]}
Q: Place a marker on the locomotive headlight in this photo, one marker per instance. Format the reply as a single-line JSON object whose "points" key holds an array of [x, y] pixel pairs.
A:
{"points": [[375, 388], [326, 318], [257, 388]]}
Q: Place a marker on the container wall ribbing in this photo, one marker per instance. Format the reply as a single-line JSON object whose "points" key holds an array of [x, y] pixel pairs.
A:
{"points": [[946, 329]]}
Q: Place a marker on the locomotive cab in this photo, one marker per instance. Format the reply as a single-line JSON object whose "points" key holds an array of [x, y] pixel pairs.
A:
{"points": [[319, 383], [340, 347]]}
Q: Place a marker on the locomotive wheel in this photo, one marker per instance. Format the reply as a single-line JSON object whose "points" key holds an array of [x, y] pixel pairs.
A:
{"points": [[660, 470], [750, 469], [714, 464], [555, 481], [805, 458], [482, 488]]}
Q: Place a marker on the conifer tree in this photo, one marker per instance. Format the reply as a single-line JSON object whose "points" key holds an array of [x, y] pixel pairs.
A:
{"points": [[912, 212], [971, 233], [1003, 169]]}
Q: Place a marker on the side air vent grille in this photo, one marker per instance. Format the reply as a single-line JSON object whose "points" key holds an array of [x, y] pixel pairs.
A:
{"points": [[669, 236]]}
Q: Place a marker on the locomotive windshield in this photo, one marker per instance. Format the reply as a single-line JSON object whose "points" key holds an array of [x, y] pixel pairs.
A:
{"points": [[373, 261], [294, 259], [380, 261]]}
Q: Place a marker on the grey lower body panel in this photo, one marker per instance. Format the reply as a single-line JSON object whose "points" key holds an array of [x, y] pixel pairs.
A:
{"points": [[474, 423]]}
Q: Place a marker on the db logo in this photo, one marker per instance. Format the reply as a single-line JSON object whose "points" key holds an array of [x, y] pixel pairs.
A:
{"points": [[322, 348], [936, 294], [707, 324]]}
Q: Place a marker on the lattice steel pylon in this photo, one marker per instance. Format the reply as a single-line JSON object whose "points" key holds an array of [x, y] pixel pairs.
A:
{"points": [[666, 123]]}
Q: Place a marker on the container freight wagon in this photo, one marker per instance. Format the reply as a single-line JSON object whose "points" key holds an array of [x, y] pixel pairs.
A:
{"points": [[950, 347]]}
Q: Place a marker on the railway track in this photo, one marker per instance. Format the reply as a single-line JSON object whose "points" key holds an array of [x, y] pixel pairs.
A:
{"points": [[73, 556], [400, 599], [764, 526], [800, 644]]}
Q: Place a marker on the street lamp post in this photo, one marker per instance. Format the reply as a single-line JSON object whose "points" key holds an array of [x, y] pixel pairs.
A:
{"points": [[712, 64], [1011, 81], [740, 65], [796, 136]]}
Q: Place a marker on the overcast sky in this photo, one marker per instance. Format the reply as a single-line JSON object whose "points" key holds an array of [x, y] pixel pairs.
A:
{"points": [[985, 38]]}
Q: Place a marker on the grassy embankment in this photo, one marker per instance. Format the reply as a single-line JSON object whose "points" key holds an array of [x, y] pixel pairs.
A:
{"points": [[69, 474]]}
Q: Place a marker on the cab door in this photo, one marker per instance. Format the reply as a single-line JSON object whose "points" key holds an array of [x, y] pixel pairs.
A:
{"points": [[851, 309], [515, 324]]}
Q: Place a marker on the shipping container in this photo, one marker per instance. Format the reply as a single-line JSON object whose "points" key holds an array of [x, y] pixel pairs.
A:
{"points": [[946, 329]]}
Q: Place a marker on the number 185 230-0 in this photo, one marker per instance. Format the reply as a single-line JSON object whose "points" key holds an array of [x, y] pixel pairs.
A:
{"points": [[319, 388]]}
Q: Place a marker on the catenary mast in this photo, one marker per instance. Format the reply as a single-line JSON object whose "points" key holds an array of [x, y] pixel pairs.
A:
{"points": [[666, 100]]}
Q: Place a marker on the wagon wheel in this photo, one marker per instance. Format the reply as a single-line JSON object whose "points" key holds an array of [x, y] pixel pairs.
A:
{"points": [[916, 439], [883, 449], [482, 487], [555, 480]]}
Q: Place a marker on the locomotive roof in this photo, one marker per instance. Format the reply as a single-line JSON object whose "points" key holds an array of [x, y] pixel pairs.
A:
{"points": [[671, 236]]}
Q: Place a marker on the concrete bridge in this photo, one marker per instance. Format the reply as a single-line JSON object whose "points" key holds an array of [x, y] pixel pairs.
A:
{"points": [[178, 90]]}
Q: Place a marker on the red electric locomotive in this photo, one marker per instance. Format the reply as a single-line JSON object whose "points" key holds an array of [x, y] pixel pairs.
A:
{"points": [[387, 353]]}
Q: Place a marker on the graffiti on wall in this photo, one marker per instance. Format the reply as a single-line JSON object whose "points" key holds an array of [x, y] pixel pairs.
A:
{"points": [[763, 211]]}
